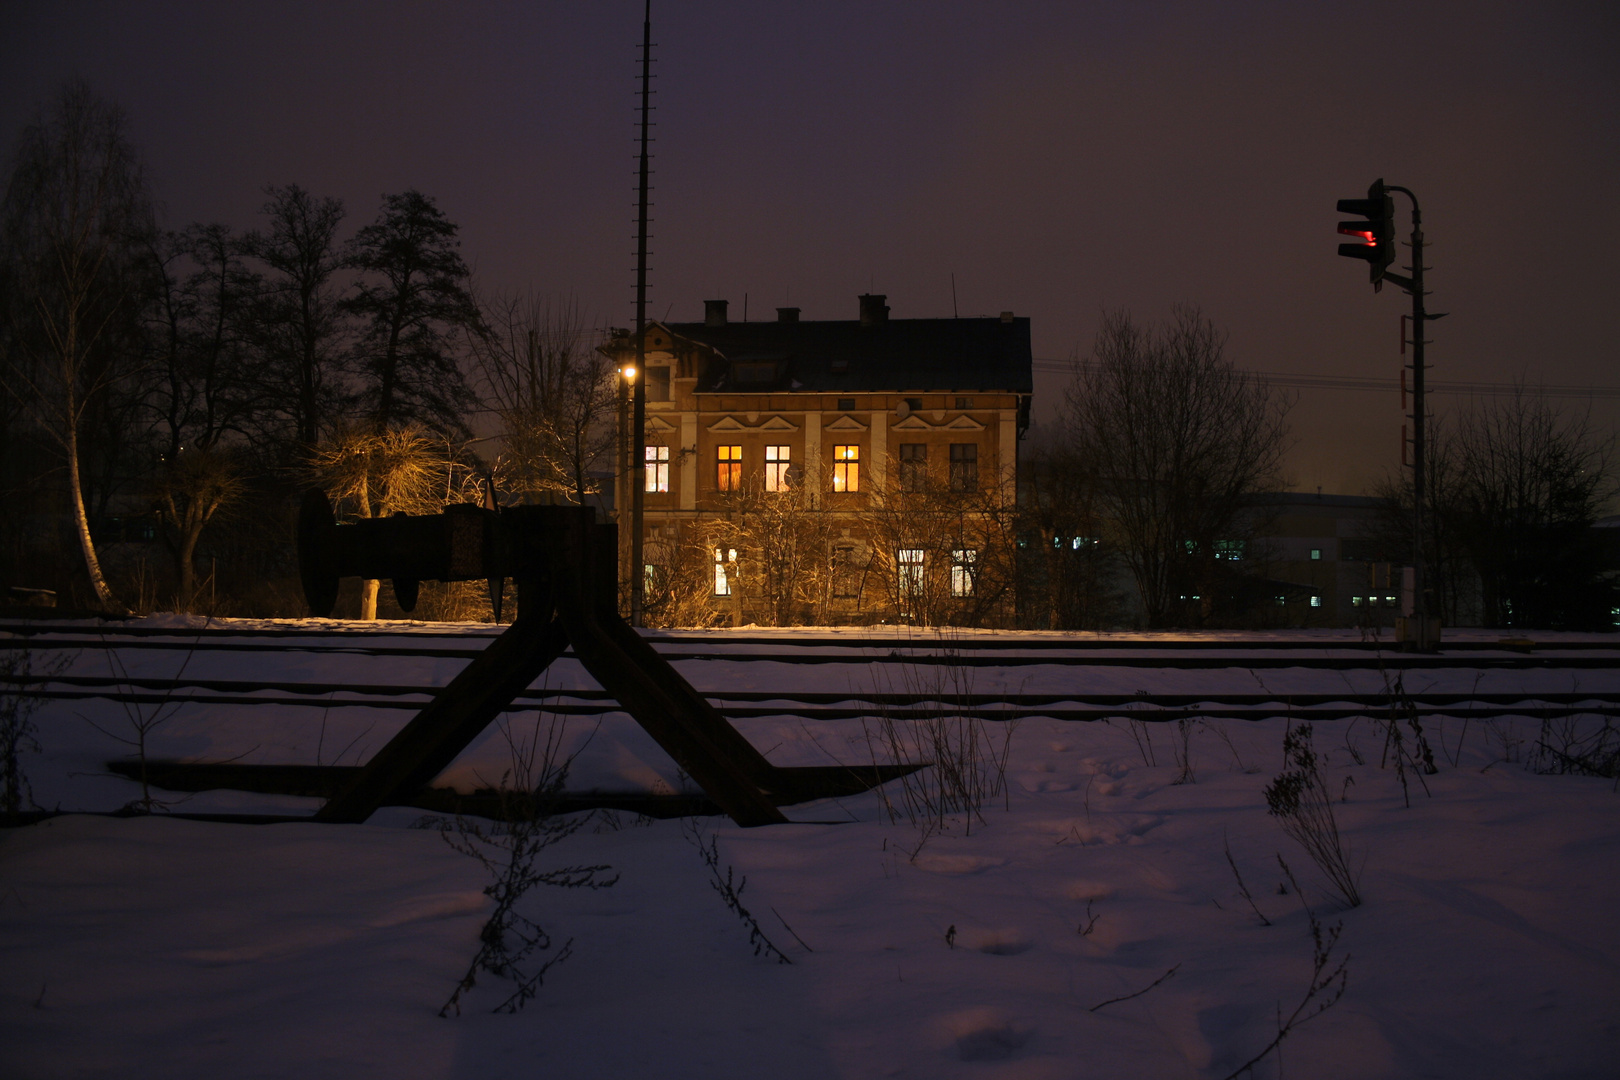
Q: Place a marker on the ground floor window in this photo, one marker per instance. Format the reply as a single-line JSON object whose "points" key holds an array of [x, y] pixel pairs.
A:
{"points": [[846, 575], [910, 561], [725, 570], [962, 565]]}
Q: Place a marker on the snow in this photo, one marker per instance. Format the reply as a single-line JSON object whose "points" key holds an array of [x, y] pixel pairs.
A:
{"points": [[1487, 945]]}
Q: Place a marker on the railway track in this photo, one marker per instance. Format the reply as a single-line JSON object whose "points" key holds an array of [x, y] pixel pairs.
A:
{"points": [[867, 656], [836, 705], [968, 651]]}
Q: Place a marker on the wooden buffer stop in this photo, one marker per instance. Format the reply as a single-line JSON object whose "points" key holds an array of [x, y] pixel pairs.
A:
{"points": [[565, 565]]}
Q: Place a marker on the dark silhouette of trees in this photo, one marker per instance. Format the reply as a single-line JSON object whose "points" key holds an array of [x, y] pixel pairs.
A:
{"points": [[554, 392], [1180, 442], [416, 310], [298, 319], [75, 220], [1067, 563], [1532, 484], [1514, 488], [203, 383]]}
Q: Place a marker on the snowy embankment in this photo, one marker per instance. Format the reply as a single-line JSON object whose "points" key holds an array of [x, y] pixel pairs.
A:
{"points": [[1488, 943]]}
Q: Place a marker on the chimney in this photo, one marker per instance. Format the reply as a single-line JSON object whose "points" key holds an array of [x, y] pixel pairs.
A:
{"points": [[1006, 316], [873, 309], [787, 314], [714, 313]]}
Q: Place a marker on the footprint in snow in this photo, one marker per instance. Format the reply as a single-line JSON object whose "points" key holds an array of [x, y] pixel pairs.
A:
{"points": [[985, 1034], [942, 863]]}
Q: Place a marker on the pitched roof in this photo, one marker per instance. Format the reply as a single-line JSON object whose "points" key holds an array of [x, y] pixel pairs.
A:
{"points": [[894, 355]]}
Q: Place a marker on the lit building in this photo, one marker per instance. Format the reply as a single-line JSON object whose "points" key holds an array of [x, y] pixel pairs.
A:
{"points": [[841, 423]]}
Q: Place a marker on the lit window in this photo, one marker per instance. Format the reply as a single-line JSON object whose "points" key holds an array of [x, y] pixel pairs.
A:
{"points": [[913, 466], [1316, 601], [1316, 554], [1280, 600], [1357, 601], [728, 474], [725, 565], [962, 560], [846, 467], [1231, 550], [911, 571], [657, 468], [964, 466], [776, 468], [1391, 601]]}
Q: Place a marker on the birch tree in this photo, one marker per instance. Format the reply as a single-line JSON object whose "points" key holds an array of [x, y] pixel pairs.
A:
{"points": [[76, 214]]}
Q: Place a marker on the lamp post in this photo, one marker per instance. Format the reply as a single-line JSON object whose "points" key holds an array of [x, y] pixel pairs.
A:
{"points": [[629, 491], [638, 393]]}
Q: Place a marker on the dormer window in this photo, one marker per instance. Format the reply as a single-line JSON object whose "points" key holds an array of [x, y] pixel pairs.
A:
{"points": [[754, 372]]}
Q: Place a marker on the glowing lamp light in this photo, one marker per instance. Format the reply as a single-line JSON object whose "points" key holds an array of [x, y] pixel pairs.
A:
{"points": [[629, 372]]}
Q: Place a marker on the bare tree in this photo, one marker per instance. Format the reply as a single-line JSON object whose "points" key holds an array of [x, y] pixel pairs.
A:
{"points": [[1066, 573], [553, 391], [299, 321], [782, 572], [942, 556], [202, 388], [1449, 572], [75, 215], [1181, 442], [1532, 482], [370, 473]]}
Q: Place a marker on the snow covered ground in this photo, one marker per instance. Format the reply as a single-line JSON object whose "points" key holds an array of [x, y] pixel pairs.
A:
{"points": [[1488, 944]]}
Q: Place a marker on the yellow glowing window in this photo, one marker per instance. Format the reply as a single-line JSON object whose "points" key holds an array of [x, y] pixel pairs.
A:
{"points": [[728, 474], [846, 467]]}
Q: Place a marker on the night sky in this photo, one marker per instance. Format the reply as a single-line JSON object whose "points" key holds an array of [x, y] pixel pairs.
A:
{"points": [[1059, 158]]}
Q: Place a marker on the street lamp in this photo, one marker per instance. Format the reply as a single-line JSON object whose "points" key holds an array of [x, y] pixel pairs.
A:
{"points": [[632, 425]]}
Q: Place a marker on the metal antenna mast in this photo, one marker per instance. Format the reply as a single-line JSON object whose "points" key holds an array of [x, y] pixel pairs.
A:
{"points": [[638, 384]]}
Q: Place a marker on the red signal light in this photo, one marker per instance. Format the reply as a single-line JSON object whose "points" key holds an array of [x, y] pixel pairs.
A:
{"points": [[1376, 234]]}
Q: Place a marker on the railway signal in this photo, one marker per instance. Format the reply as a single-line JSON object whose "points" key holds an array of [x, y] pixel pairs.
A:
{"points": [[1420, 628], [1376, 234]]}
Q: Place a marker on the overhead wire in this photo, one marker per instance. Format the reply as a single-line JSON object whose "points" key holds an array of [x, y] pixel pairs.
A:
{"points": [[1296, 381]]}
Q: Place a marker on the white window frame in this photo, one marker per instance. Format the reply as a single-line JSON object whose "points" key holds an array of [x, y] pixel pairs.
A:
{"points": [[910, 562], [657, 468], [725, 566], [778, 459], [963, 562]]}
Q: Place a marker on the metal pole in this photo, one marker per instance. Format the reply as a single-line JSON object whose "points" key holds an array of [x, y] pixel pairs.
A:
{"points": [[638, 393], [1422, 641]]}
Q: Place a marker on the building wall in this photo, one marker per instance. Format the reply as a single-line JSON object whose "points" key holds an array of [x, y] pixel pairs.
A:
{"points": [[811, 425], [1325, 545]]}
